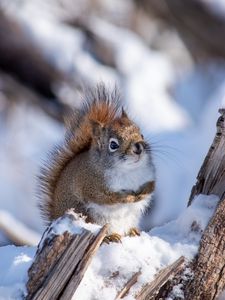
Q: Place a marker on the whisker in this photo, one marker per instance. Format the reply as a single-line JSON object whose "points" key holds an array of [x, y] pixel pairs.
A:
{"points": [[165, 152]]}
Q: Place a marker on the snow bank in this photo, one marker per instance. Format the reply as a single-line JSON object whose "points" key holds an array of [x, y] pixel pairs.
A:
{"points": [[114, 264], [14, 262]]}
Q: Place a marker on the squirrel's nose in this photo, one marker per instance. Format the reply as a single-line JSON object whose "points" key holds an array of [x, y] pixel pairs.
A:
{"points": [[137, 148]]}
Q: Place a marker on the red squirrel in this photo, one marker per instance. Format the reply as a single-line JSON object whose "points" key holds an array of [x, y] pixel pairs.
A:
{"points": [[104, 168]]}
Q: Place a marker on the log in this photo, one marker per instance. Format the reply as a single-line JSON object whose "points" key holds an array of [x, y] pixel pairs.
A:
{"points": [[211, 177], [128, 285], [61, 260], [208, 268], [151, 289], [208, 281]]}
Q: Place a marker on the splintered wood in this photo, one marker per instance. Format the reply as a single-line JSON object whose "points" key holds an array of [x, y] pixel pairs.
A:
{"points": [[60, 262], [211, 177], [209, 267], [150, 290]]}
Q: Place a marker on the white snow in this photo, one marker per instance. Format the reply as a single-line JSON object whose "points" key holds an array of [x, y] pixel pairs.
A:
{"points": [[14, 262], [177, 112], [74, 226], [114, 264]]}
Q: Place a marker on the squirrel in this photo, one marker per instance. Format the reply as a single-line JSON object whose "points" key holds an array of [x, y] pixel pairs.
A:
{"points": [[103, 169]]}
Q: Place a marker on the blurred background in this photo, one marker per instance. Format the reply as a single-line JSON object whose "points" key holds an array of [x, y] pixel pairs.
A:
{"points": [[167, 57]]}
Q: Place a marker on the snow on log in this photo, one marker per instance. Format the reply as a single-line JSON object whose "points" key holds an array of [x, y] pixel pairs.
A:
{"points": [[62, 258], [208, 268], [208, 281], [151, 289]]}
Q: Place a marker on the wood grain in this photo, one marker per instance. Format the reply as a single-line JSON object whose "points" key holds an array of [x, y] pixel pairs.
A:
{"points": [[61, 261]]}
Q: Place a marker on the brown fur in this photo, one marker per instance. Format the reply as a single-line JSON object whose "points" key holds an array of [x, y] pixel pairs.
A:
{"points": [[98, 106], [73, 177]]}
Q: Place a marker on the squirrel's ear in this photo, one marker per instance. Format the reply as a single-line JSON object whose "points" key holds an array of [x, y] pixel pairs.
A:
{"points": [[124, 114], [96, 127]]}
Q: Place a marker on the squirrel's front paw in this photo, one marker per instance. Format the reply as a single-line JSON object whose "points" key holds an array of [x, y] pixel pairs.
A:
{"points": [[133, 232], [114, 237]]}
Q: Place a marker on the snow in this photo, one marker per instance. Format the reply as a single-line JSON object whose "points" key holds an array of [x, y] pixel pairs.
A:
{"points": [[115, 263], [73, 226], [176, 108], [149, 253], [14, 262]]}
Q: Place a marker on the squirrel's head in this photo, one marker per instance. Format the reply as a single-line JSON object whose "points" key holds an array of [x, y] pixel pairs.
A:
{"points": [[119, 142]]}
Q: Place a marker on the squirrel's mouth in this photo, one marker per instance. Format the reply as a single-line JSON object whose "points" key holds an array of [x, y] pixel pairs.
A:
{"points": [[136, 160]]}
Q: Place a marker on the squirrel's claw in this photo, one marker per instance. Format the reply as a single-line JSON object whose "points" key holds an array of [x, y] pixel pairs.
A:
{"points": [[134, 232], [114, 237]]}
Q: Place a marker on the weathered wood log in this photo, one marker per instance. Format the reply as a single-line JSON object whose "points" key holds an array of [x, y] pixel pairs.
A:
{"points": [[200, 27], [151, 290], [128, 285], [61, 260], [208, 281], [211, 177], [208, 268]]}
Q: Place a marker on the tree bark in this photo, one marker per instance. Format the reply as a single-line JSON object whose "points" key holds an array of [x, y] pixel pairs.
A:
{"points": [[211, 177], [208, 281], [61, 261], [151, 290], [209, 267]]}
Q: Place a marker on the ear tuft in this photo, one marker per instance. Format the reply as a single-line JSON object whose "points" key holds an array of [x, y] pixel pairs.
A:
{"points": [[124, 114]]}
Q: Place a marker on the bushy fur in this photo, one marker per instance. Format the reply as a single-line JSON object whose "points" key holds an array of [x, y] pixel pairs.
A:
{"points": [[99, 105]]}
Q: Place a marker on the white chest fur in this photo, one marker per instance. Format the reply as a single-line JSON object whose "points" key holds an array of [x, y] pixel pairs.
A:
{"points": [[126, 177], [121, 217]]}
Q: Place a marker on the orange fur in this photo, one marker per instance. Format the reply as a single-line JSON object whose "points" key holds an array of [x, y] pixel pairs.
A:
{"points": [[98, 106]]}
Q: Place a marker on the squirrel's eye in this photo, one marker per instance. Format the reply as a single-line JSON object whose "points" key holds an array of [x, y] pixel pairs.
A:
{"points": [[113, 145]]}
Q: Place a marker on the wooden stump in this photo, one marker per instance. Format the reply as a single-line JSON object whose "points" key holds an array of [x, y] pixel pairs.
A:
{"points": [[209, 267], [61, 260], [208, 281]]}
